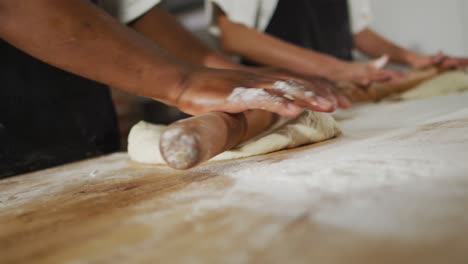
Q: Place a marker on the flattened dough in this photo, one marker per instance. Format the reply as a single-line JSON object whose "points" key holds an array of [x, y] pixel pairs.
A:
{"points": [[446, 83], [309, 127]]}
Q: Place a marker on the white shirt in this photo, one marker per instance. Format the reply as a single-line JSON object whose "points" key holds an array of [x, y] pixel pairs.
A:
{"points": [[360, 14], [127, 10], [258, 13]]}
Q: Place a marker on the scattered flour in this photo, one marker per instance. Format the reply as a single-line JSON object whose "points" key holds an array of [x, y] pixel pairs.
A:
{"points": [[384, 184], [289, 87], [179, 153], [249, 95], [93, 173], [108, 167], [399, 172]]}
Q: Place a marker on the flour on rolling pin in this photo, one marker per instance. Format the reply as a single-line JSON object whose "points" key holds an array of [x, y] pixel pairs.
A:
{"points": [[183, 148], [309, 127]]}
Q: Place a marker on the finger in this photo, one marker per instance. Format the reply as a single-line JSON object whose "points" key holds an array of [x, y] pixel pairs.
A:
{"points": [[242, 99], [320, 104], [319, 101], [380, 63], [381, 76], [366, 82], [449, 65], [327, 90], [332, 98], [438, 58], [462, 61], [454, 63], [398, 74], [297, 92], [343, 102], [394, 76], [356, 94], [278, 105], [351, 91], [362, 81]]}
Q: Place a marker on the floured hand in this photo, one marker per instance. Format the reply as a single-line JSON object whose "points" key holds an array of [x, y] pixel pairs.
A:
{"points": [[320, 85], [207, 90]]}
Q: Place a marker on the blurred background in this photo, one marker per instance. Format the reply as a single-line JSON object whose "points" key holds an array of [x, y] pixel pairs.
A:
{"points": [[424, 25]]}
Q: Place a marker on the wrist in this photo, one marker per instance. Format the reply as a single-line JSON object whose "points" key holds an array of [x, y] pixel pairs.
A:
{"points": [[166, 85], [218, 61], [412, 58], [337, 69]]}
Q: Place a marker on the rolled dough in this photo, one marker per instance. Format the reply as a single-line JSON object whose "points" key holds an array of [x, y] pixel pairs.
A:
{"points": [[445, 83], [309, 127]]}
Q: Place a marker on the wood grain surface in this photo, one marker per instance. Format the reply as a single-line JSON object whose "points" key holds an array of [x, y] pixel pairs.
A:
{"points": [[392, 189]]}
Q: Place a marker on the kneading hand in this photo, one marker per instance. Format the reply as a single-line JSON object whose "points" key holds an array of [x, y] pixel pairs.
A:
{"points": [[206, 90], [319, 85], [440, 60], [363, 74]]}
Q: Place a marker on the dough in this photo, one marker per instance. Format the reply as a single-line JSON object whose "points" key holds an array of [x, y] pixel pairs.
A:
{"points": [[309, 127], [446, 83]]}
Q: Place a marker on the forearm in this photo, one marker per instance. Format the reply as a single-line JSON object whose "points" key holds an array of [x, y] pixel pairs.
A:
{"points": [[164, 30], [374, 45], [77, 36], [271, 51]]}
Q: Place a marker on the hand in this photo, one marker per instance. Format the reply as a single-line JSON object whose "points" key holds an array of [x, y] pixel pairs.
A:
{"points": [[451, 63], [440, 60], [420, 62], [371, 93], [329, 90], [207, 90], [363, 74], [321, 86]]}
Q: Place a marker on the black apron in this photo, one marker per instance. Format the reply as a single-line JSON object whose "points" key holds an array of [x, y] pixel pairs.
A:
{"points": [[48, 116], [320, 25]]}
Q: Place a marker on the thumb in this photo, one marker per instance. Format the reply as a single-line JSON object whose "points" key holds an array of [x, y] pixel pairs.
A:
{"points": [[438, 58], [380, 63]]}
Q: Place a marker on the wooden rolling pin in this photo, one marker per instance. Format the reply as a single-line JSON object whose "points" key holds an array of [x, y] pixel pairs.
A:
{"points": [[189, 142], [379, 91]]}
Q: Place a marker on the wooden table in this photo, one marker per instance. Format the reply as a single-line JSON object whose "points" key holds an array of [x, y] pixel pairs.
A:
{"points": [[392, 189]]}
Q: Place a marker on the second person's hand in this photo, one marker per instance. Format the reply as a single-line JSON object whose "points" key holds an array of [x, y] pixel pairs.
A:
{"points": [[363, 74]]}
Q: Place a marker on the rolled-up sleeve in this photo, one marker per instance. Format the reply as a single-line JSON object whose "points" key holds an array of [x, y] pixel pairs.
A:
{"points": [[360, 14], [239, 11], [251, 13], [127, 10]]}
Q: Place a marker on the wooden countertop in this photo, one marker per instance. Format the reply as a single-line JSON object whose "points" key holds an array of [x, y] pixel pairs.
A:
{"points": [[392, 189]]}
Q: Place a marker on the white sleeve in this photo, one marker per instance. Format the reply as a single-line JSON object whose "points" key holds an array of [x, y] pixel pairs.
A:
{"points": [[360, 14], [127, 10], [239, 11], [267, 10]]}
